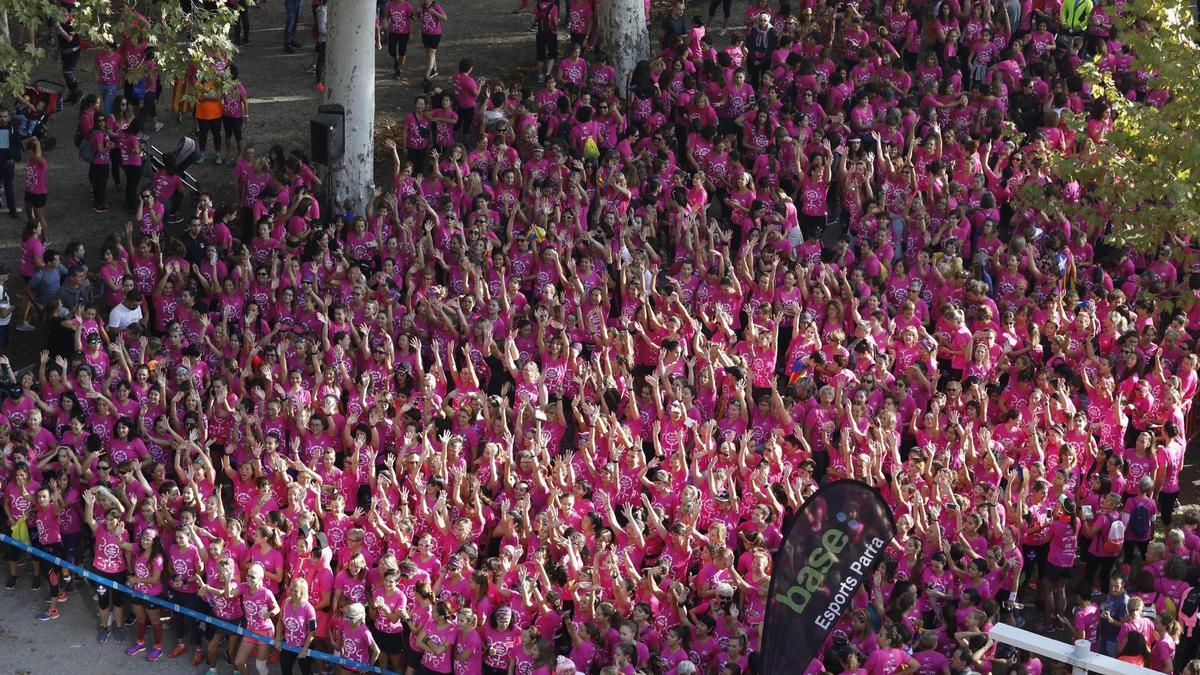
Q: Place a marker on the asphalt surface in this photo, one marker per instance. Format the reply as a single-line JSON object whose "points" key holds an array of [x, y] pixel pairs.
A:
{"points": [[68, 644]]}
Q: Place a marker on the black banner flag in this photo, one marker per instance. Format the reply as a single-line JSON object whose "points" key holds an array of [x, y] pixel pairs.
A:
{"points": [[833, 543]]}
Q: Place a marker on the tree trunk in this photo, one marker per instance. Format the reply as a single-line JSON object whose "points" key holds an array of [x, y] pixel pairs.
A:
{"points": [[350, 81], [624, 36]]}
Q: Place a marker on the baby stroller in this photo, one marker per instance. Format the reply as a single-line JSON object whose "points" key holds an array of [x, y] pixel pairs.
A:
{"points": [[35, 108]]}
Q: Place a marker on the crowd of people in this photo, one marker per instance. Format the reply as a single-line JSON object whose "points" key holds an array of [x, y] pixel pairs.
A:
{"points": [[546, 404]]}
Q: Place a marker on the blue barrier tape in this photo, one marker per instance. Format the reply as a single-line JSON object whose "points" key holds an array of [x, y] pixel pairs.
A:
{"points": [[175, 608]]}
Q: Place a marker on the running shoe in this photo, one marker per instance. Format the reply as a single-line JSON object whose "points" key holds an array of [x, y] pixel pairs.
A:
{"points": [[12, 581], [48, 615], [118, 635], [102, 635], [137, 648], [37, 583], [179, 650], [154, 654]]}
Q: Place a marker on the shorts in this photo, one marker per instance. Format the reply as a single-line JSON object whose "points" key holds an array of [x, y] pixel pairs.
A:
{"points": [[36, 201], [256, 642], [391, 643], [547, 46], [233, 126], [106, 596], [397, 44], [137, 601], [1055, 573], [431, 41], [212, 631]]}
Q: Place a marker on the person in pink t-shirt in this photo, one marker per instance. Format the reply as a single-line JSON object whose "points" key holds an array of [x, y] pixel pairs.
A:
{"points": [[353, 638], [259, 608], [436, 640], [48, 526], [296, 626], [145, 576]]}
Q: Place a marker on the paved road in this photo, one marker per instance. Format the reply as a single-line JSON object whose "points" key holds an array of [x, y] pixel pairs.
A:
{"points": [[67, 644]]}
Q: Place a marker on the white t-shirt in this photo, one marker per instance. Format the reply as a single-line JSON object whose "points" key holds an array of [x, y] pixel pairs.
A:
{"points": [[122, 317]]}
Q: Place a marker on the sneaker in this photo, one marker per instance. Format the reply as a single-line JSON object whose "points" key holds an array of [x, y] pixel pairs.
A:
{"points": [[154, 654], [137, 648], [24, 327], [433, 74], [102, 636], [118, 635], [219, 160], [48, 615], [200, 158], [320, 86], [12, 581], [62, 596], [178, 651], [130, 620], [211, 671], [37, 583], [158, 126], [311, 70]]}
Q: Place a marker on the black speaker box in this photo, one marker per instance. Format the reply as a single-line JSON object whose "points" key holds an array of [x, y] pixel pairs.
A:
{"points": [[328, 138]]}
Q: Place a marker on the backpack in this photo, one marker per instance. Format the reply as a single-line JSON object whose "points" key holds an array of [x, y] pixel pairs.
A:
{"points": [[1189, 608], [1114, 540], [591, 150], [87, 152], [1139, 521]]}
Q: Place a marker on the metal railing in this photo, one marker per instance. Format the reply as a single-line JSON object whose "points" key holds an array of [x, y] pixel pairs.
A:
{"points": [[1079, 656]]}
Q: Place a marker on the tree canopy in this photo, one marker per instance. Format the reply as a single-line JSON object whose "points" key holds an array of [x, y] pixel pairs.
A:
{"points": [[182, 39], [1138, 174]]}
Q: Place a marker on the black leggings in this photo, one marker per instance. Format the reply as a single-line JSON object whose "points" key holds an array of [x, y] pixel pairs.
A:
{"points": [[466, 118], [185, 626], [209, 127], [98, 176], [133, 179], [288, 659], [1166, 506], [53, 573], [726, 8], [1098, 566]]}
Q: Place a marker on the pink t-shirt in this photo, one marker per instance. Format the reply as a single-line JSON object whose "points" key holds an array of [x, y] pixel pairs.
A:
{"points": [[391, 603], [298, 622], [256, 607], [468, 653], [1063, 543], [143, 568], [439, 663], [108, 556], [356, 642]]}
